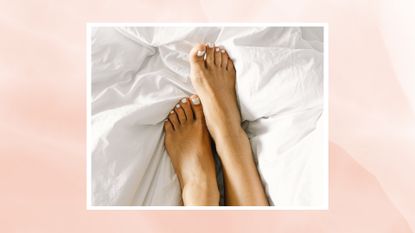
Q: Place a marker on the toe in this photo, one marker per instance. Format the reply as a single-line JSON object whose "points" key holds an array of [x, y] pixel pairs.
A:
{"points": [[174, 120], [224, 58], [197, 107], [230, 66], [218, 57], [197, 54], [187, 108], [180, 114], [210, 54], [168, 127]]}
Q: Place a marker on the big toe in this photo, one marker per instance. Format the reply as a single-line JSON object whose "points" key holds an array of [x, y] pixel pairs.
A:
{"points": [[197, 54], [197, 107]]}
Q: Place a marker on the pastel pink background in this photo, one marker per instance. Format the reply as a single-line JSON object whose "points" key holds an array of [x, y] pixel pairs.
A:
{"points": [[42, 116]]}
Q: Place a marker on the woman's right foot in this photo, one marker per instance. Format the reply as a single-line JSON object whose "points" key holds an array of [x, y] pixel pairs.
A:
{"points": [[214, 80]]}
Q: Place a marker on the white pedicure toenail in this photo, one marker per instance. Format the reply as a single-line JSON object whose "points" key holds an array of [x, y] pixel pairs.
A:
{"points": [[222, 51], [195, 100], [200, 53], [210, 45], [177, 105], [217, 49], [184, 100], [172, 112]]}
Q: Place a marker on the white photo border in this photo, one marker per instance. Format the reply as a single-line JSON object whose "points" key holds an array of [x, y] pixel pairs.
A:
{"points": [[325, 116]]}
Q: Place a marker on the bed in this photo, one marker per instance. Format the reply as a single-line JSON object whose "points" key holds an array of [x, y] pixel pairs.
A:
{"points": [[138, 74]]}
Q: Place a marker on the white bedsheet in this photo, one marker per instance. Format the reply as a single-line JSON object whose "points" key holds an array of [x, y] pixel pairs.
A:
{"points": [[139, 74]]}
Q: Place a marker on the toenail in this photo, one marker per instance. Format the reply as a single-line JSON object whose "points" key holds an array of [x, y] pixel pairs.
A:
{"points": [[177, 105], [172, 112], [184, 100], [210, 45], [222, 51], [217, 49], [200, 53], [195, 100]]}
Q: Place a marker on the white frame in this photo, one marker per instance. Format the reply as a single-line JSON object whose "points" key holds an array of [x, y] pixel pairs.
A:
{"points": [[325, 115]]}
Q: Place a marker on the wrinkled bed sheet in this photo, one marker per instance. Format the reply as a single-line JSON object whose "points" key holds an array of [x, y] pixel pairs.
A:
{"points": [[138, 75]]}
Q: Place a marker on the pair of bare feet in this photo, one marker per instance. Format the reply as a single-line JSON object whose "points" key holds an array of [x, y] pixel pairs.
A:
{"points": [[212, 113]]}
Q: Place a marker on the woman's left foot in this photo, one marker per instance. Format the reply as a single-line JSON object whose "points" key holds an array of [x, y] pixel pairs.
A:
{"points": [[187, 141]]}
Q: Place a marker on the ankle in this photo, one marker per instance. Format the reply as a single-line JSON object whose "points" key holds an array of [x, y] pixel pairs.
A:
{"points": [[201, 193], [228, 132], [233, 145]]}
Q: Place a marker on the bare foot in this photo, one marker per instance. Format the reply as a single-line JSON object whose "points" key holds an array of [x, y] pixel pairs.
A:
{"points": [[187, 142], [214, 80]]}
